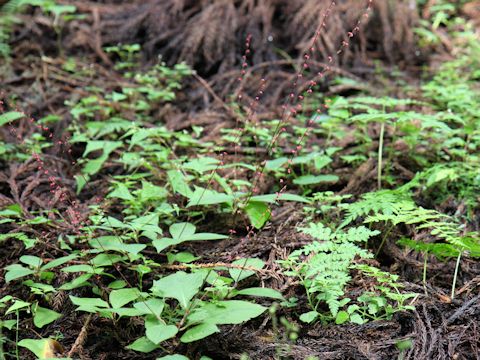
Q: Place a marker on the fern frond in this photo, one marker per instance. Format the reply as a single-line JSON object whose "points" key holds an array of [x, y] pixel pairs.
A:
{"points": [[324, 265], [384, 202]]}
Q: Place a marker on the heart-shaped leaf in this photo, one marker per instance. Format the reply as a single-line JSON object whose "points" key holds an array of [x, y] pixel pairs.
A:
{"points": [[180, 286]]}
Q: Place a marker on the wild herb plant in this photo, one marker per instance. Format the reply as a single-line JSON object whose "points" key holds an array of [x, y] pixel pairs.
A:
{"points": [[163, 184]]}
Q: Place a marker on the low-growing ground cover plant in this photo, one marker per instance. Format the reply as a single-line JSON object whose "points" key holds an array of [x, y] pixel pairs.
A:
{"points": [[163, 240]]}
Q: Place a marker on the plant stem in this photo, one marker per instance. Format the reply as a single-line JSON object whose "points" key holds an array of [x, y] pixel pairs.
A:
{"points": [[380, 155], [384, 239], [424, 278], [457, 265], [16, 336], [2, 354]]}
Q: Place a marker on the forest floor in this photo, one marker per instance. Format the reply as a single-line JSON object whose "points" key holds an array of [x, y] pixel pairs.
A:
{"points": [[119, 148]]}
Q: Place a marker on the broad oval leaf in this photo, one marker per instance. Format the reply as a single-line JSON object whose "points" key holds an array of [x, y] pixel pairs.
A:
{"points": [[121, 297], [180, 286], [261, 292], [226, 312], [199, 332], [240, 274], [44, 316], [160, 332]]}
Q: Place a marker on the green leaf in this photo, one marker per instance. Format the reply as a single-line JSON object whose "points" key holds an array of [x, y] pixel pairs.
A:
{"points": [[173, 357], [202, 164], [202, 196], [139, 136], [10, 116], [276, 163], [79, 268], [240, 274], [309, 317], [121, 192], [403, 345], [121, 297], [142, 345], [226, 312], [258, 213], [16, 271], [40, 347], [157, 332], [181, 257], [44, 316], [42, 288], [322, 161], [117, 284], [77, 282], [356, 319], [9, 324], [116, 244], [17, 305], [273, 198], [441, 174], [184, 232], [151, 192], [199, 332], [151, 306], [312, 179], [33, 261], [179, 183], [59, 261], [207, 236], [342, 317], [127, 312], [92, 305], [261, 292], [180, 286]]}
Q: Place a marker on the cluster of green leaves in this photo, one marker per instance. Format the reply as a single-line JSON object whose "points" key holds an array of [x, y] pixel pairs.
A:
{"points": [[323, 269], [193, 303], [394, 207], [156, 190], [10, 10], [443, 14]]}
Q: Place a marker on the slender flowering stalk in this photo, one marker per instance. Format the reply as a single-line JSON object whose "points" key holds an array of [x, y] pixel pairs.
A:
{"points": [[310, 123], [295, 107]]}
